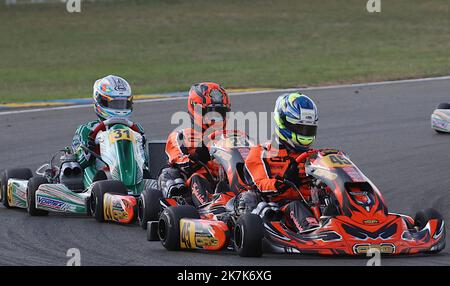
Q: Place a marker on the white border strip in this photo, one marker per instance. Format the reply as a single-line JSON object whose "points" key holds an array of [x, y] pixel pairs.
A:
{"points": [[240, 93], [378, 83]]}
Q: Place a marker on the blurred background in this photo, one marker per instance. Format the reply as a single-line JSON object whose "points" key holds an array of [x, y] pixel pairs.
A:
{"points": [[165, 46]]}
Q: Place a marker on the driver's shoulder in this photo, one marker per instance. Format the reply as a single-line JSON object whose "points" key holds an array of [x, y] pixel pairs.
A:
{"points": [[86, 128], [89, 124]]}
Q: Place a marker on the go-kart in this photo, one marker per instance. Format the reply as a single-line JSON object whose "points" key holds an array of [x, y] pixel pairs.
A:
{"points": [[352, 214], [228, 149], [108, 191], [440, 118]]}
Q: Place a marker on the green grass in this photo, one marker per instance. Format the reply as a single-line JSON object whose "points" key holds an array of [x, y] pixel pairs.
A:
{"points": [[163, 46]]}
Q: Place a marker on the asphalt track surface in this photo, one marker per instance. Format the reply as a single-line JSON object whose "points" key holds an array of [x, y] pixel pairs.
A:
{"points": [[384, 128]]}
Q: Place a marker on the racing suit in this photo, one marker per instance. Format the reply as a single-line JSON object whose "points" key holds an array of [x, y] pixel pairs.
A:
{"points": [[267, 165], [181, 147], [81, 137]]}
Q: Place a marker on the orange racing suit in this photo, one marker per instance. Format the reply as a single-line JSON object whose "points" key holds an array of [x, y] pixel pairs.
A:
{"points": [[180, 146], [266, 165]]}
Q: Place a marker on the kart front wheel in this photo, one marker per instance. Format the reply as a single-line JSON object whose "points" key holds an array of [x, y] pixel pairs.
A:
{"points": [[248, 235], [33, 186], [444, 105], [20, 173], [99, 190], [149, 206], [420, 222], [169, 224]]}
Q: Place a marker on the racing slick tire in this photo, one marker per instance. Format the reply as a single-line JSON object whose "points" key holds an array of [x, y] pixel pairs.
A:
{"points": [[444, 105], [19, 173], [248, 235], [33, 186], [99, 190], [421, 220], [149, 206], [169, 224]]}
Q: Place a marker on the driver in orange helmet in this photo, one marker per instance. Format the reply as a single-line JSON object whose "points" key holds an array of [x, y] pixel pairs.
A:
{"points": [[208, 104]]}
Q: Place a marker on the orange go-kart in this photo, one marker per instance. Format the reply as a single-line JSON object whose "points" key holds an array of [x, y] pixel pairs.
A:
{"points": [[352, 214]]}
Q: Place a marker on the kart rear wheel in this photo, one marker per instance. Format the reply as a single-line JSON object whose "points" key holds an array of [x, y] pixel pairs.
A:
{"points": [[99, 190], [33, 186], [19, 173], [149, 206], [169, 225], [248, 235], [421, 220], [444, 105]]}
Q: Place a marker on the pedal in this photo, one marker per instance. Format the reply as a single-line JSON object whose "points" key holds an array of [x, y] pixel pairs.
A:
{"points": [[152, 231]]}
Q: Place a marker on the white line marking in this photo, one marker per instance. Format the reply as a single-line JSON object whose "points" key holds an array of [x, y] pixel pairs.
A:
{"points": [[378, 83], [9, 112]]}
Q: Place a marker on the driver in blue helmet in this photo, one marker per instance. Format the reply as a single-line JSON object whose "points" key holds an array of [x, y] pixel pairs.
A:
{"points": [[273, 164]]}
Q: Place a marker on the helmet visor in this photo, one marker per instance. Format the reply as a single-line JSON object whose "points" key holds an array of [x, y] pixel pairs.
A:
{"points": [[302, 129], [220, 109], [118, 104]]}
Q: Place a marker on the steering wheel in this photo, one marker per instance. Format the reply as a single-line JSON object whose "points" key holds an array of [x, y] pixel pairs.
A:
{"points": [[305, 155], [110, 122]]}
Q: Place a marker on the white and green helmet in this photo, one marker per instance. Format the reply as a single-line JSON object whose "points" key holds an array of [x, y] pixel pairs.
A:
{"points": [[112, 97], [296, 119]]}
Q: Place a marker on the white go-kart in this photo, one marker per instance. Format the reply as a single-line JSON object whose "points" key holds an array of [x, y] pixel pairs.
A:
{"points": [[440, 119]]}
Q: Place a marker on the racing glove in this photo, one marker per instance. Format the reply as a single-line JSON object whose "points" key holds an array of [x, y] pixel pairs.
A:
{"points": [[201, 154], [91, 144], [292, 174]]}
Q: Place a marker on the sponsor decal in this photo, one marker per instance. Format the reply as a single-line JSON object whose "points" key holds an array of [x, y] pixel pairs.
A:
{"points": [[114, 209], [354, 174], [204, 240], [54, 204], [195, 235], [387, 248], [307, 115], [370, 221], [294, 219], [196, 193]]}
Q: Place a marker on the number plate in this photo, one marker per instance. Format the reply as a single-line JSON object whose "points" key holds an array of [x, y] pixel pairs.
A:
{"points": [[120, 134]]}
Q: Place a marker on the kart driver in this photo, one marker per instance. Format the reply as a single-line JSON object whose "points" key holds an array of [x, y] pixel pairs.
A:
{"points": [[208, 104], [270, 165], [112, 99]]}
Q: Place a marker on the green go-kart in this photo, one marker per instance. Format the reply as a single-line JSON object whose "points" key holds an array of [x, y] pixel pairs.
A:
{"points": [[110, 190]]}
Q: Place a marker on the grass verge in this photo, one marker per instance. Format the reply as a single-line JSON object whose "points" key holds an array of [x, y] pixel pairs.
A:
{"points": [[164, 46]]}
